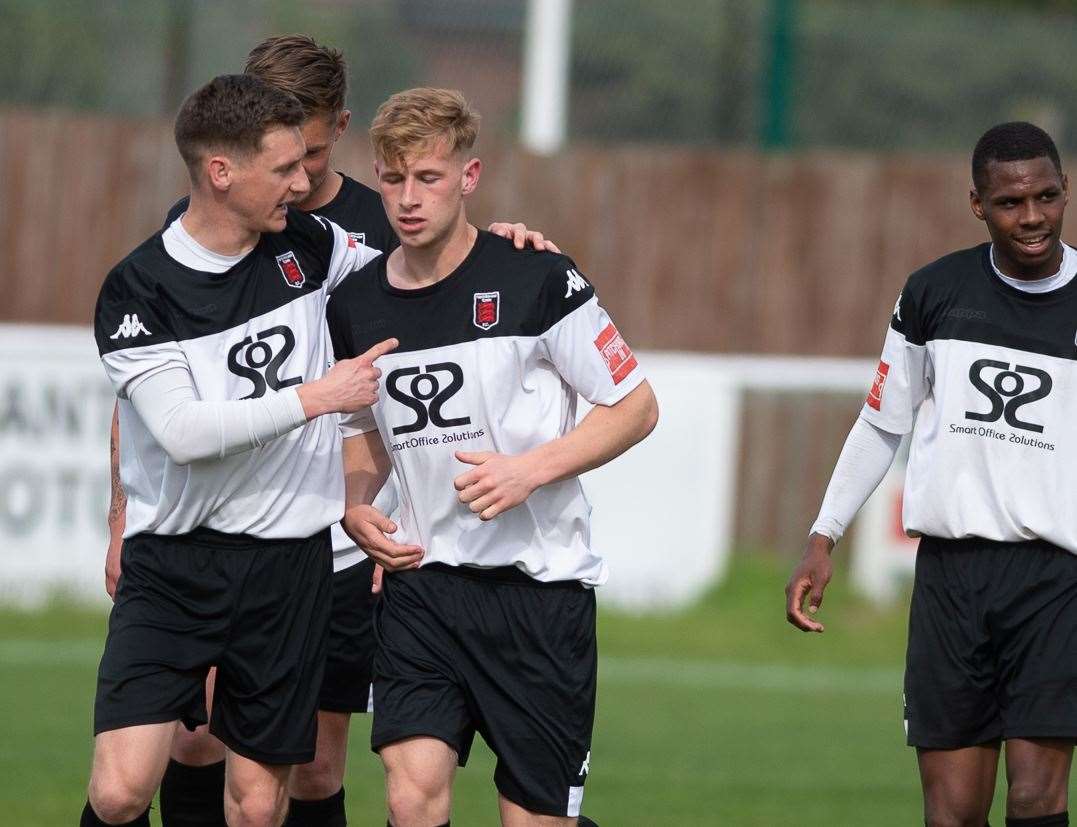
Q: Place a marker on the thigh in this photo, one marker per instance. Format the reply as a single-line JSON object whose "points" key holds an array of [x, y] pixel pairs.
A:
{"points": [[167, 625], [266, 695], [513, 815], [417, 688], [958, 784], [419, 763], [323, 776], [951, 678], [531, 675], [131, 760], [349, 662]]}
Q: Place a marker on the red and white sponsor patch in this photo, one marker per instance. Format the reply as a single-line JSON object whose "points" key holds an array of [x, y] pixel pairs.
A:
{"points": [[290, 269], [875, 395], [617, 355]]}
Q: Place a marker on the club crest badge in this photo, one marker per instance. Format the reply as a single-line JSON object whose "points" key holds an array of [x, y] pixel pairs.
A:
{"points": [[355, 239], [290, 269], [486, 309]]}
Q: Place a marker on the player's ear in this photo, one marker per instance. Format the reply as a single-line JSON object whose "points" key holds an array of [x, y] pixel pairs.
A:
{"points": [[472, 170], [976, 202], [219, 171], [343, 119]]}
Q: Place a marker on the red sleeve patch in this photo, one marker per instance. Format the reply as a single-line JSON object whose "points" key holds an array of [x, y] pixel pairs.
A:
{"points": [[875, 395], [615, 352]]}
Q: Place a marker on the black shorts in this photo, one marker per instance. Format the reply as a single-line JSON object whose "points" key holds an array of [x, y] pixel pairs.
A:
{"points": [[348, 668], [992, 643], [258, 610], [492, 650]]}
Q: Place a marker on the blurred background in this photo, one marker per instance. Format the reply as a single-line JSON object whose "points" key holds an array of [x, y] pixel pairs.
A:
{"points": [[746, 182]]}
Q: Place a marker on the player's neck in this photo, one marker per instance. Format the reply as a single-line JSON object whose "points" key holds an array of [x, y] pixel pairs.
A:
{"points": [[216, 229], [410, 268], [326, 192]]}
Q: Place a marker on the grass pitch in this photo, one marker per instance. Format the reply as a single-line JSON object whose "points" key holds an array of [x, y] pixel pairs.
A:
{"points": [[721, 715]]}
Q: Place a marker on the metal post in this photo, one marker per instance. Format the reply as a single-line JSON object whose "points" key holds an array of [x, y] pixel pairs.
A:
{"points": [[547, 42]]}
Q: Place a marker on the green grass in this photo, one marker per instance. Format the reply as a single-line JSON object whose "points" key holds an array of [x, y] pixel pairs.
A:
{"points": [[722, 714]]}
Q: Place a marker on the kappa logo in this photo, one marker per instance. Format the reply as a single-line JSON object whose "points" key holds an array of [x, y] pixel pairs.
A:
{"points": [[290, 269], [615, 353], [130, 327], [897, 307], [875, 395], [585, 767], [576, 282], [486, 310]]}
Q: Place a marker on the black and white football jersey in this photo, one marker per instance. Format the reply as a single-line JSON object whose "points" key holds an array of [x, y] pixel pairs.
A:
{"points": [[985, 377], [257, 328], [358, 210], [491, 358]]}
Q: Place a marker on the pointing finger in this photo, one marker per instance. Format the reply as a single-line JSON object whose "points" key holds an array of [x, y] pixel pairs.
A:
{"points": [[380, 349]]}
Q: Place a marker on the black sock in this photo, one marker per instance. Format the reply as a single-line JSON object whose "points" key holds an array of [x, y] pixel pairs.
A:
{"points": [[90, 819], [193, 796], [1056, 820], [584, 821], [321, 812]]}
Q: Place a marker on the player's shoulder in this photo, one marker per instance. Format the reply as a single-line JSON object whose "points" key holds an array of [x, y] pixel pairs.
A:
{"points": [[527, 266], [360, 192], [139, 271], [950, 271]]}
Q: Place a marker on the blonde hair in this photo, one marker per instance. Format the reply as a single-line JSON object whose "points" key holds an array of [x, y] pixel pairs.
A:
{"points": [[415, 120], [316, 75]]}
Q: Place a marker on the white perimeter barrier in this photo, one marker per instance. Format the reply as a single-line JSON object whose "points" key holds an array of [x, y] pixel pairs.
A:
{"points": [[663, 513]]}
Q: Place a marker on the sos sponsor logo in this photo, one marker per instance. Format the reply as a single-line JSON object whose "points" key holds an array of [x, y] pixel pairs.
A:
{"points": [[259, 358], [426, 391], [1008, 389]]}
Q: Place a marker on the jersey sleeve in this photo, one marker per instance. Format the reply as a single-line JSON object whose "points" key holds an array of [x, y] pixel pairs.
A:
{"points": [[349, 254], [903, 377], [582, 342], [134, 334]]}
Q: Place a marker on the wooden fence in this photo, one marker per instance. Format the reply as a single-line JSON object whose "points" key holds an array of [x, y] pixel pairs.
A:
{"points": [[690, 249]]}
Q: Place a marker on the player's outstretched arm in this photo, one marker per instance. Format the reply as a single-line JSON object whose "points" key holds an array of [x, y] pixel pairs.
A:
{"points": [[865, 458], [366, 467], [499, 482], [522, 237], [190, 429], [117, 509]]}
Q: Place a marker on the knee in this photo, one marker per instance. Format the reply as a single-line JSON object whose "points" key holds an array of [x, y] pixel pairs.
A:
{"points": [[956, 811], [416, 800], [1035, 797], [253, 809], [116, 800], [319, 779]]}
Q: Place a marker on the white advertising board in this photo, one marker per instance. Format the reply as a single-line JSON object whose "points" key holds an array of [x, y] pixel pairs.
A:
{"points": [[663, 512]]}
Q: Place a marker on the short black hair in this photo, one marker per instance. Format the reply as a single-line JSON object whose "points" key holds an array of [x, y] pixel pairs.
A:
{"points": [[232, 112], [1013, 141]]}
